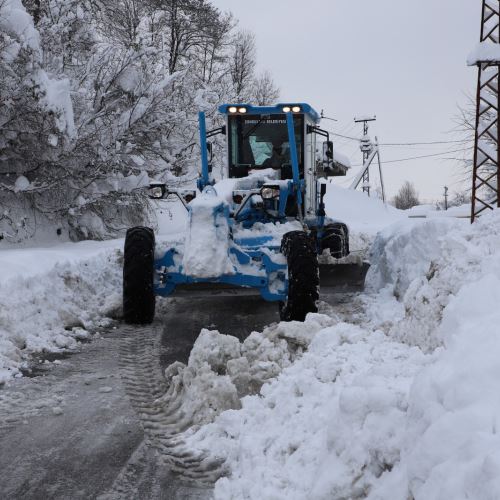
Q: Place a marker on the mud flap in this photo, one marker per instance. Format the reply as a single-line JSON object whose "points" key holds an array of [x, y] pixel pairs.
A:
{"points": [[337, 278]]}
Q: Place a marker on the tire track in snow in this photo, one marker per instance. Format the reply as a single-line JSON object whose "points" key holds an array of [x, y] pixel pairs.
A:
{"points": [[159, 406]]}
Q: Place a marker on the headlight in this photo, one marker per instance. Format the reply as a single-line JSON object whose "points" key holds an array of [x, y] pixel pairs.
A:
{"points": [[157, 191], [268, 193], [296, 109], [242, 110], [287, 109], [233, 109]]}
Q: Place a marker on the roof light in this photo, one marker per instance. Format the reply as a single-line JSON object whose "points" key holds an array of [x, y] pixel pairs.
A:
{"points": [[287, 109], [296, 109], [233, 109], [242, 110]]}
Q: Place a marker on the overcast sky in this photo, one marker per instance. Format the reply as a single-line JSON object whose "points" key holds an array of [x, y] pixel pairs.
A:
{"points": [[401, 60]]}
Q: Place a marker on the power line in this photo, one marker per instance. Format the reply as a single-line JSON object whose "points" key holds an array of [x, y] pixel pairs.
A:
{"points": [[420, 143], [419, 157], [400, 143]]}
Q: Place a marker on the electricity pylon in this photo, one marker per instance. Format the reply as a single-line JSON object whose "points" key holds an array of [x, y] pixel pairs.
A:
{"points": [[486, 163]]}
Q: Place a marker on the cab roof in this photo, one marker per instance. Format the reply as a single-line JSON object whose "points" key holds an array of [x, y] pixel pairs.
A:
{"points": [[277, 109]]}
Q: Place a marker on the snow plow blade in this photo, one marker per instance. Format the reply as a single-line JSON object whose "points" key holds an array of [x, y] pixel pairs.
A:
{"points": [[338, 278]]}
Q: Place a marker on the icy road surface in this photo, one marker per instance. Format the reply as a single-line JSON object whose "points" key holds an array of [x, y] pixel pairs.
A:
{"points": [[71, 431]]}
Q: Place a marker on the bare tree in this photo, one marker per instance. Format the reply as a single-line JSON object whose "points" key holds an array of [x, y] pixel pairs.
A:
{"points": [[407, 197], [242, 65], [265, 90]]}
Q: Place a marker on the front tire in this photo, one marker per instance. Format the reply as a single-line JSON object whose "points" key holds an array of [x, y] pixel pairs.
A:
{"points": [[303, 276], [138, 274]]}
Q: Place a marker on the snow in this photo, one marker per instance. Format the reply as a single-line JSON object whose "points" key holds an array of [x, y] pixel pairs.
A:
{"points": [[18, 24], [402, 404], [341, 158], [55, 296], [206, 248], [56, 97], [404, 251], [46, 310], [484, 52], [327, 427], [21, 184], [360, 212]]}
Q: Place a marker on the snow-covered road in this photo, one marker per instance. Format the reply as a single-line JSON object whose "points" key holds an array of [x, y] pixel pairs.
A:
{"points": [[70, 430]]}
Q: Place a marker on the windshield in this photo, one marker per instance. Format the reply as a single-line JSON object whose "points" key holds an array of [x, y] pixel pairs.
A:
{"points": [[262, 142]]}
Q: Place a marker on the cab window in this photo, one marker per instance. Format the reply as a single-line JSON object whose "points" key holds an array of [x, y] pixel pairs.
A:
{"points": [[258, 142]]}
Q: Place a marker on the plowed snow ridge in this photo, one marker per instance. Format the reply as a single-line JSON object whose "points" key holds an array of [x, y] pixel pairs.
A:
{"points": [[405, 405]]}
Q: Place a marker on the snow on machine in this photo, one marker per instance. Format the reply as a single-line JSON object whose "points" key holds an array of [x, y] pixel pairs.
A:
{"points": [[263, 228]]}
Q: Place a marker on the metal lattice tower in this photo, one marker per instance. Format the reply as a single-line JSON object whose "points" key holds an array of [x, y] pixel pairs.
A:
{"points": [[486, 166]]}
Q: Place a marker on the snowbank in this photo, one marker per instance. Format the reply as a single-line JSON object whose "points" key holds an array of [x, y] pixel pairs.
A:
{"points": [[358, 413], [327, 427], [49, 307], [404, 251], [451, 448], [361, 213]]}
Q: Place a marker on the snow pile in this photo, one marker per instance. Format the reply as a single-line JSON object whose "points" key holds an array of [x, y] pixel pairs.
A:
{"points": [[403, 252], [425, 264], [206, 251], [327, 427], [360, 212], [221, 370], [48, 308], [451, 449]]}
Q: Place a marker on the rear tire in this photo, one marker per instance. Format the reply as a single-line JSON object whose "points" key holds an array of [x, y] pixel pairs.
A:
{"points": [[336, 239], [138, 274], [303, 276]]}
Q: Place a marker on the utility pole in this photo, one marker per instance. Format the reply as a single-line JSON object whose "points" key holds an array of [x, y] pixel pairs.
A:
{"points": [[486, 163], [446, 197], [370, 151], [366, 147]]}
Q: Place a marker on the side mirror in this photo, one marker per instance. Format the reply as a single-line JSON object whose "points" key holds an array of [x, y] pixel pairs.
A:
{"points": [[327, 152], [157, 191]]}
